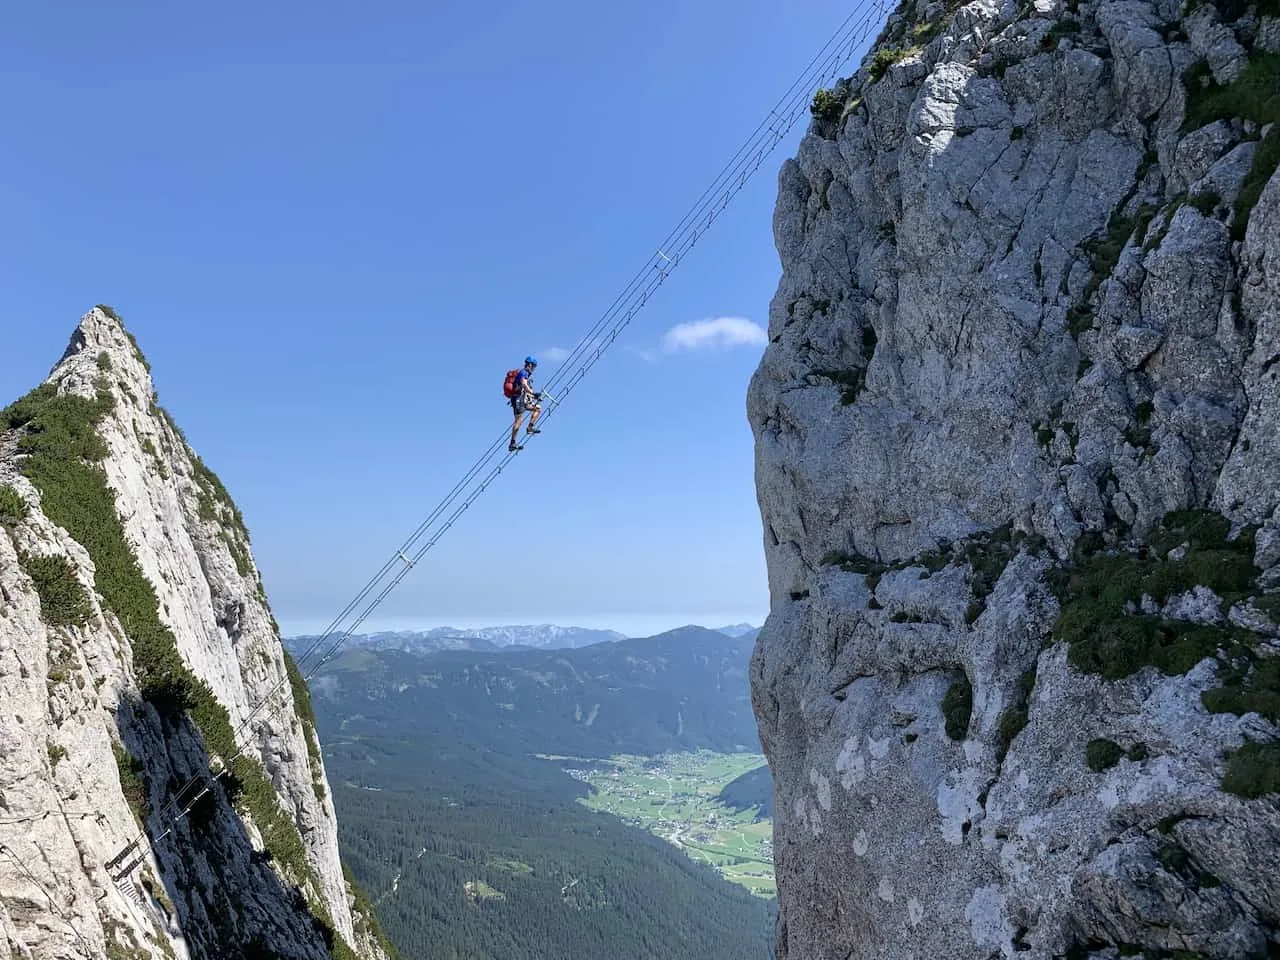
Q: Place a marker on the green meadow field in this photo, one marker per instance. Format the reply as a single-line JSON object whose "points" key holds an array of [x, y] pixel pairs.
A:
{"points": [[677, 797]]}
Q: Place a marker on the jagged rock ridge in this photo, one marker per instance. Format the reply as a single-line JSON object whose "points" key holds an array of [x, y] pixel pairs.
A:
{"points": [[135, 645], [1018, 463]]}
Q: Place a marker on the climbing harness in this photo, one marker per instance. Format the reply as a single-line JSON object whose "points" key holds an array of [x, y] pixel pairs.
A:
{"points": [[821, 71]]}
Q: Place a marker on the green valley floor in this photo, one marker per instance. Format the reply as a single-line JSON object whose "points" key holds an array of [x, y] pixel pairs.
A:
{"points": [[677, 797]]}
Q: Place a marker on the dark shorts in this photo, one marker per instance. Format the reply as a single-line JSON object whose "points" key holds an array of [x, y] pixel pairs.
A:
{"points": [[518, 404]]}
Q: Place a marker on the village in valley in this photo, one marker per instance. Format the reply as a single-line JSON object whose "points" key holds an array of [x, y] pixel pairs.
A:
{"points": [[678, 797]]}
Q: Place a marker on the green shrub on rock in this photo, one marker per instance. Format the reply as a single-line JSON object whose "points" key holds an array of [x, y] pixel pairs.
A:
{"points": [[957, 708], [827, 106], [1253, 771], [64, 602], [1102, 754], [13, 509]]}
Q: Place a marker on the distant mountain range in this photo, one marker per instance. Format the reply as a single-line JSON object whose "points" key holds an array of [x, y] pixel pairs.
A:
{"points": [[682, 690], [543, 636]]}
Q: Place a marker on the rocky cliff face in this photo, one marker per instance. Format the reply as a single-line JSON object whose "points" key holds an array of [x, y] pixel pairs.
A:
{"points": [[136, 645], [1018, 462]]}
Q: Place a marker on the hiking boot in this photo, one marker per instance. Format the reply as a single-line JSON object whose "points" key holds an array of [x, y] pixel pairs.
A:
{"points": [[533, 430], [513, 447]]}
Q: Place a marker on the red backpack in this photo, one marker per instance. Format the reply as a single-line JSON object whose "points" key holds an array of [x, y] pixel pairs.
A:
{"points": [[509, 384]]}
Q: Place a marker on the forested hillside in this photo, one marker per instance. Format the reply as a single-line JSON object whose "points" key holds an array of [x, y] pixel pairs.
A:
{"points": [[752, 789], [472, 846]]}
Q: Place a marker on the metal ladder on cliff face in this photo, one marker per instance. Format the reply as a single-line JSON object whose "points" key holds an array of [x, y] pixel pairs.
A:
{"points": [[821, 71], [128, 888]]}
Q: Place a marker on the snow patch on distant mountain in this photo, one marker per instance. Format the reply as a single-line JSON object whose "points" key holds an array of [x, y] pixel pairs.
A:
{"points": [[738, 630]]}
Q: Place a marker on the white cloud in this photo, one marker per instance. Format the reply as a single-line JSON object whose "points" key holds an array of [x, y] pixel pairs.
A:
{"points": [[645, 354], [718, 332], [553, 354]]}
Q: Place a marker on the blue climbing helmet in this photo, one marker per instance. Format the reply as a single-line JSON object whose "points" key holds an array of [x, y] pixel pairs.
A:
{"points": [[532, 361]]}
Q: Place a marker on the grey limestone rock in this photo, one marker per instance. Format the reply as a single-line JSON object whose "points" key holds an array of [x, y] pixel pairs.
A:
{"points": [[73, 715], [1022, 331]]}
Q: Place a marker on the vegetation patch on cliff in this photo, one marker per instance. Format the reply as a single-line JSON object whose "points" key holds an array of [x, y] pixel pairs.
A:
{"points": [[957, 708], [213, 502], [137, 352], [121, 942], [57, 753], [1102, 754], [1102, 598], [151, 450], [827, 106], [1107, 602], [886, 57], [13, 509], [1249, 685], [62, 458], [63, 665], [987, 554], [63, 600], [1255, 96], [133, 782], [1104, 253], [1015, 716], [306, 715], [1253, 771], [853, 562], [909, 31]]}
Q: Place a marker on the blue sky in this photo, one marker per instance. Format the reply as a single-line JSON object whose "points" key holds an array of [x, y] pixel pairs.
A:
{"points": [[334, 226]]}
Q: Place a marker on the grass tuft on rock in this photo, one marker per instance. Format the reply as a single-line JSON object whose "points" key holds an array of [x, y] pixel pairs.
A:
{"points": [[1012, 722], [886, 57]]}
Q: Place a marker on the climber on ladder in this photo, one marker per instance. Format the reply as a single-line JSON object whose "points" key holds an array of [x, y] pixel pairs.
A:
{"points": [[517, 388]]}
